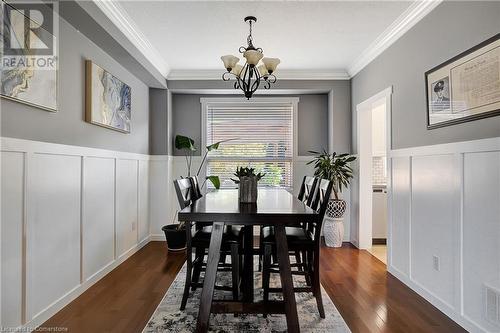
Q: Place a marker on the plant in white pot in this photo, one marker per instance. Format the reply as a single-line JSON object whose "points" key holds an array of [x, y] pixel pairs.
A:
{"points": [[337, 169]]}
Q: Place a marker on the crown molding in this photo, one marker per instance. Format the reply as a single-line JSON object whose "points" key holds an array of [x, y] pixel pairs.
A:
{"points": [[411, 16], [115, 12], [283, 74]]}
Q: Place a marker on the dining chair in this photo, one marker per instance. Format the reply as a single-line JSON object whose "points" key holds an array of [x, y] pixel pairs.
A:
{"points": [[199, 239], [304, 239], [306, 194]]}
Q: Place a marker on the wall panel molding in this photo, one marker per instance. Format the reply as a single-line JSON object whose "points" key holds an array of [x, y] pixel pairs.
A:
{"points": [[448, 208], [59, 205]]}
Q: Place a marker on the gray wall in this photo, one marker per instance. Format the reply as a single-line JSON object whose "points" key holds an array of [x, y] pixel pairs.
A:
{"points": [[448, 30], [158, 134], [67, 126], [312, 120], [313, 109]]}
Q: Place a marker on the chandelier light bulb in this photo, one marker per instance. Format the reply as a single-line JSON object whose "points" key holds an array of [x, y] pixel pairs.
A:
{"points": [[229, 61], [271, 64], [253, 57]]}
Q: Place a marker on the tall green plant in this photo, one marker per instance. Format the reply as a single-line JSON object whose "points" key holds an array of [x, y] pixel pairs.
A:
{"points": [[334, 168], [186, 144]]}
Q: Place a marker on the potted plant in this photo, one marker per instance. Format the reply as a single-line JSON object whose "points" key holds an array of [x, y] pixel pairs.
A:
{"points": [[337, 169], [175, 233], [247, 184]]}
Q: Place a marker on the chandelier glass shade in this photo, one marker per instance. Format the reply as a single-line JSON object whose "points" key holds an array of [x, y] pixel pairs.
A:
{"points": [[256, 69]]}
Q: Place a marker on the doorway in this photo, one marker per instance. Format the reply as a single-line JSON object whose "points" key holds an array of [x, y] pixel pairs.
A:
{"points": [[373, 146]]}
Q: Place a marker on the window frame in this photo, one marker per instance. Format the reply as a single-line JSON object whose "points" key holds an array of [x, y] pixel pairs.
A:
{"points": [[211, 101]]}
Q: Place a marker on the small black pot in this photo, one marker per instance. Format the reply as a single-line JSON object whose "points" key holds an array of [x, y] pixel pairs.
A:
{"points": [[176, 237]]}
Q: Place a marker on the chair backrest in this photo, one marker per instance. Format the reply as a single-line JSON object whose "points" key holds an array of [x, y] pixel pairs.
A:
{"points": [[320, 202], [184, 190], [196, 188], [307, 189]]}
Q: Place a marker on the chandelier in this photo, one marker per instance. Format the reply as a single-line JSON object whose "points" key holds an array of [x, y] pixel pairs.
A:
{"points": [[249, 76]]}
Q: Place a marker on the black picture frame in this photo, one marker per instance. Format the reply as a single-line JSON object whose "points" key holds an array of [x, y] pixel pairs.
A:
{"points": [[486, 114]]}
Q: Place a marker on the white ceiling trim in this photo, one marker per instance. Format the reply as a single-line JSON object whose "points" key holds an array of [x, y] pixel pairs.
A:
{"points": [[258, 93], [115, 12], [417, 11], [282, 74]]}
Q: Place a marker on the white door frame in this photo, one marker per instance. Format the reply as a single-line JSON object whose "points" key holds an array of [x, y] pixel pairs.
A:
{"points": [[364, 178]]}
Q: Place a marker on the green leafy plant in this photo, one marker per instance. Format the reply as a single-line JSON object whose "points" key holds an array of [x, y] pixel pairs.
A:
{"points": [[246, 172], [333, 167], [187, 145]]}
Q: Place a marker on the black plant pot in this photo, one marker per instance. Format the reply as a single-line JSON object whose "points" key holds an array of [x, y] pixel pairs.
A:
{"points": [[176, 237]]}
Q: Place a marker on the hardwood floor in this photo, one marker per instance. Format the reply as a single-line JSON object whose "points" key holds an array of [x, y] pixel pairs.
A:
{"points": [[369, 299], [372, 300]]}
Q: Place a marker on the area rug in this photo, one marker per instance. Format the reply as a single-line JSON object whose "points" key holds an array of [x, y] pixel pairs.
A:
{"points": [[168, 317]]}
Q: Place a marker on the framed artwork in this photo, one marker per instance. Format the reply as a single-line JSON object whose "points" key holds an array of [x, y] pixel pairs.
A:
{"points": [[29, 63], [107, 99], [466, 87]]}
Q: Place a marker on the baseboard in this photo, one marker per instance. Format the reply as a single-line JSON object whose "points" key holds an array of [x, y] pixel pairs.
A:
{"points": [[157, 237], [59, 304]]}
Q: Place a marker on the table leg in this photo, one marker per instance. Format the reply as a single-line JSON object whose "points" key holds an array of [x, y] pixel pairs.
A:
{"points": [[248, 273], [207, 292], [292, 319]]}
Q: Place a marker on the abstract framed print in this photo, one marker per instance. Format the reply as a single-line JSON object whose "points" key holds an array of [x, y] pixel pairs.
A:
{"points": [[107, 99]]}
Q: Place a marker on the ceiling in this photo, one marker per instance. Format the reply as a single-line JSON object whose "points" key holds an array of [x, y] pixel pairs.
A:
{"points": [[305, 35]]}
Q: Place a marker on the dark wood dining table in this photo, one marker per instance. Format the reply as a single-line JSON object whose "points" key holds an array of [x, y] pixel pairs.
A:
{"points": [[275, 207]]}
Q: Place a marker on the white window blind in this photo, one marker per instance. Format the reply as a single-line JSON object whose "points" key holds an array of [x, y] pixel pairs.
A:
{"points": [[261, 136]]}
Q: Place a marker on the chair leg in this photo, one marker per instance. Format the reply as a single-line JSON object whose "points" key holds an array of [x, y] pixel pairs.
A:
{"points": [[317, 285], [222, 259], [266, 268], [235, 269], [189, 269], [306, 267], [298, 260], [200, 255]]}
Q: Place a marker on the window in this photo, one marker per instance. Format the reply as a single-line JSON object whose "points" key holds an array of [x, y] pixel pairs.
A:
{"points": [[260, 133]]}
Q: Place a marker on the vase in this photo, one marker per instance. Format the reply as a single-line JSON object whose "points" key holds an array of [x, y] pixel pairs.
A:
{"points": [[333, 231], [336, 208], [334, 224], [247, 191]]}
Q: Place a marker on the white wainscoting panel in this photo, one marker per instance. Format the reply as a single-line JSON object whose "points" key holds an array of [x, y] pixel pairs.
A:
{"points": [[435, 223], [481, 230], [161, 202], [98, 214], [143, 200], [12, 173], [53, 230], [73, 204], [126, 205], [400, 231], [446, 205]]}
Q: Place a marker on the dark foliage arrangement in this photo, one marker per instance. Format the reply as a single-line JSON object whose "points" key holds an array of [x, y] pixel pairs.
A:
{"points": [[334, 168]]}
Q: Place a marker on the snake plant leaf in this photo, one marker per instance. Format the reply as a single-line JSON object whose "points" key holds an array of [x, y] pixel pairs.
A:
{"points": [[214, 180], [184, 142]]}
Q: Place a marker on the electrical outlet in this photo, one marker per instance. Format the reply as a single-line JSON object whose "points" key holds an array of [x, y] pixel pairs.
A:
{"points": [[435, 263]]}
